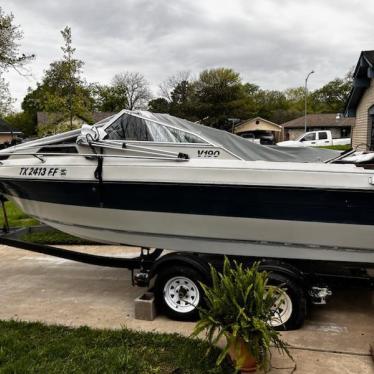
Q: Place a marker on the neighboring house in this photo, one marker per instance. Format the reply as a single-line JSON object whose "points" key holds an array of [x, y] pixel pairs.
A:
{"points": [[259, 128], [52, 122], [7, 132], [360, 103], [339, 126]]}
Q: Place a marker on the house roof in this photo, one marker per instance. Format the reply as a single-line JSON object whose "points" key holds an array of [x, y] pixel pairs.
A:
{"points": [[45, 118], [252, 125], [98, 116], [5, 128], [363, 73], [319, 120]]}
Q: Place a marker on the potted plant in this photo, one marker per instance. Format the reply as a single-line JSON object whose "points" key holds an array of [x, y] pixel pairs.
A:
{"points": [[239, 306]]}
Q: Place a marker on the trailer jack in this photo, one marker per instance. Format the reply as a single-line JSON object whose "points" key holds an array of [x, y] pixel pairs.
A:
{"points": [[319, 295]]}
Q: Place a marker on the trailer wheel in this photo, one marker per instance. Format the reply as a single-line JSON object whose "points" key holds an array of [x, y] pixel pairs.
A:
{"points": [[290, 307], [178, 292]]}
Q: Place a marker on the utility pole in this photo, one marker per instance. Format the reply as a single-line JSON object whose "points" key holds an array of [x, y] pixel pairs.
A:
{"points": [[306, 99]]}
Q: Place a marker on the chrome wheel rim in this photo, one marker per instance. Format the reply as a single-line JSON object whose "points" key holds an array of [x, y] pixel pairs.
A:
{"points": [[282, 308], [181, 294]]}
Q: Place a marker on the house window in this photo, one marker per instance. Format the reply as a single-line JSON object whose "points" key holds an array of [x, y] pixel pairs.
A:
{"points": [[345, 132], [371, 129]]}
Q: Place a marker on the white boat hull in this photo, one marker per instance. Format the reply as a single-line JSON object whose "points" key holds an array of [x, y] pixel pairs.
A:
{"points": [[210, 234]]}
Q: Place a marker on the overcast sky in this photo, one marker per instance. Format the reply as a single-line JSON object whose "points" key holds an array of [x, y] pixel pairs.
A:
{"points": [[273, 43]]}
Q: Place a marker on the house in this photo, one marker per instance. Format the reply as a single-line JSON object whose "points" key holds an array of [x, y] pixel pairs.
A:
{"points": [[259, 128], [360, 103], [54, 122], [339, 125], [8, 133]]}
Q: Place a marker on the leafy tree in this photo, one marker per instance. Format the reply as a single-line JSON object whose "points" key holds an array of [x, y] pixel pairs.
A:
{"points": [[22, 121], [184, 101], [332, 96], [181, 93], [296, 98], [251, 89], [168, 86], [159, 105], [134, 86], [66, 91], [109, 98], [218, 85], [10, 34], [219, 93], [62, 89], [34, 101], [177, 96], [269, 101]]}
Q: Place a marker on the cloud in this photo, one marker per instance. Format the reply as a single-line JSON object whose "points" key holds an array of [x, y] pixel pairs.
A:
{"points": [[270, 42]]}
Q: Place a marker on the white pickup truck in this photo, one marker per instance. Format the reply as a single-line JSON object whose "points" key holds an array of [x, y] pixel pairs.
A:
{"points": [[315, 139]]}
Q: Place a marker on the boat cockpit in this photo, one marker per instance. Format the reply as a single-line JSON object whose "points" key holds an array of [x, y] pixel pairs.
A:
{"points": [[143, 134]]}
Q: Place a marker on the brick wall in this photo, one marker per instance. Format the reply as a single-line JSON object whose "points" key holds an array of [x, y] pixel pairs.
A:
{"points": [[361, 128]]}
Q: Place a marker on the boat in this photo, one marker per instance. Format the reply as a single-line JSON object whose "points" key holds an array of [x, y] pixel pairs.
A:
{"points": [[153, 180]]}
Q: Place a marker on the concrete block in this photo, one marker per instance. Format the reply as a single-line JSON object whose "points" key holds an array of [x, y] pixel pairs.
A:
{"points": [[145, 308]]}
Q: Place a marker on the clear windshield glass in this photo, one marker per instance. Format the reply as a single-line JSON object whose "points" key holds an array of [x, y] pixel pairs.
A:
{"points": [[129, 127]]}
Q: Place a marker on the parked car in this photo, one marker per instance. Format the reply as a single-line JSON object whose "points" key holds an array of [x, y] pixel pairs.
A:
{"points": [[259, 137], [315, 139]]}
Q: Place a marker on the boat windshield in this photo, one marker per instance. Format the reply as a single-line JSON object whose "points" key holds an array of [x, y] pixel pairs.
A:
{"points": [[130, 127], [163, 128]]}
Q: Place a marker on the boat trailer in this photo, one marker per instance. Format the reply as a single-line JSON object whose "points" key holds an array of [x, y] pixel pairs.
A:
{"points": [[304, 280], [10, 237]]}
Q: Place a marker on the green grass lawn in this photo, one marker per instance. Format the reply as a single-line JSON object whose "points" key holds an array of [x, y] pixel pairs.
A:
{"points": [[52, 237], [37, 348], [17, 218], [338, 147]]}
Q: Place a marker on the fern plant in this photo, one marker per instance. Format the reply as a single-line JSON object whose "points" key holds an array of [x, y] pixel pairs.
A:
{"points": [[239, 306]]}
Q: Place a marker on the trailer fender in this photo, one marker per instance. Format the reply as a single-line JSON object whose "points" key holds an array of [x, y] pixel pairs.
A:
{"points": [[284, 268], [186, 259]]}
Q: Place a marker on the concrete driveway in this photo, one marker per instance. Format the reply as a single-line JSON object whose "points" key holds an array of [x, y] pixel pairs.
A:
{"points": [[34, 287]]}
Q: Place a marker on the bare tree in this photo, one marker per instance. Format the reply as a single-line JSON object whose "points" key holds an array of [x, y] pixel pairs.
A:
{"points": [[6, 100], [169, 85], [10, 34], [136, 89]]}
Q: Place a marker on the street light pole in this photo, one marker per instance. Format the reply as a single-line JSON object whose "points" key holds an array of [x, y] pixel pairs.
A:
{"points": [[306, 98]]}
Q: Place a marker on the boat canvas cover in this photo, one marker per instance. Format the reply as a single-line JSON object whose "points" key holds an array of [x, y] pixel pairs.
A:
{"points": [[243, 148], [161, 127]]}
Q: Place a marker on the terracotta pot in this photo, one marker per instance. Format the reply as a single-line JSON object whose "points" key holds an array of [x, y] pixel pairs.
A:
{"points": [[239, 351]]}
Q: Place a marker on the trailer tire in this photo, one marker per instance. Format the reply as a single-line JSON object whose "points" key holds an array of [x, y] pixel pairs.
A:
{"points": [[291, 314], [178, 292]]}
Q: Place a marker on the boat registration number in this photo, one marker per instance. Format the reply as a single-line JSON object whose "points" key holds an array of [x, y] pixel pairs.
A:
{"points": [[41, 172]]}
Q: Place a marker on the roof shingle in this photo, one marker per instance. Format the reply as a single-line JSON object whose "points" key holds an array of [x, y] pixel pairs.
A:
{"points": [[320, 120], [369, 55]]}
